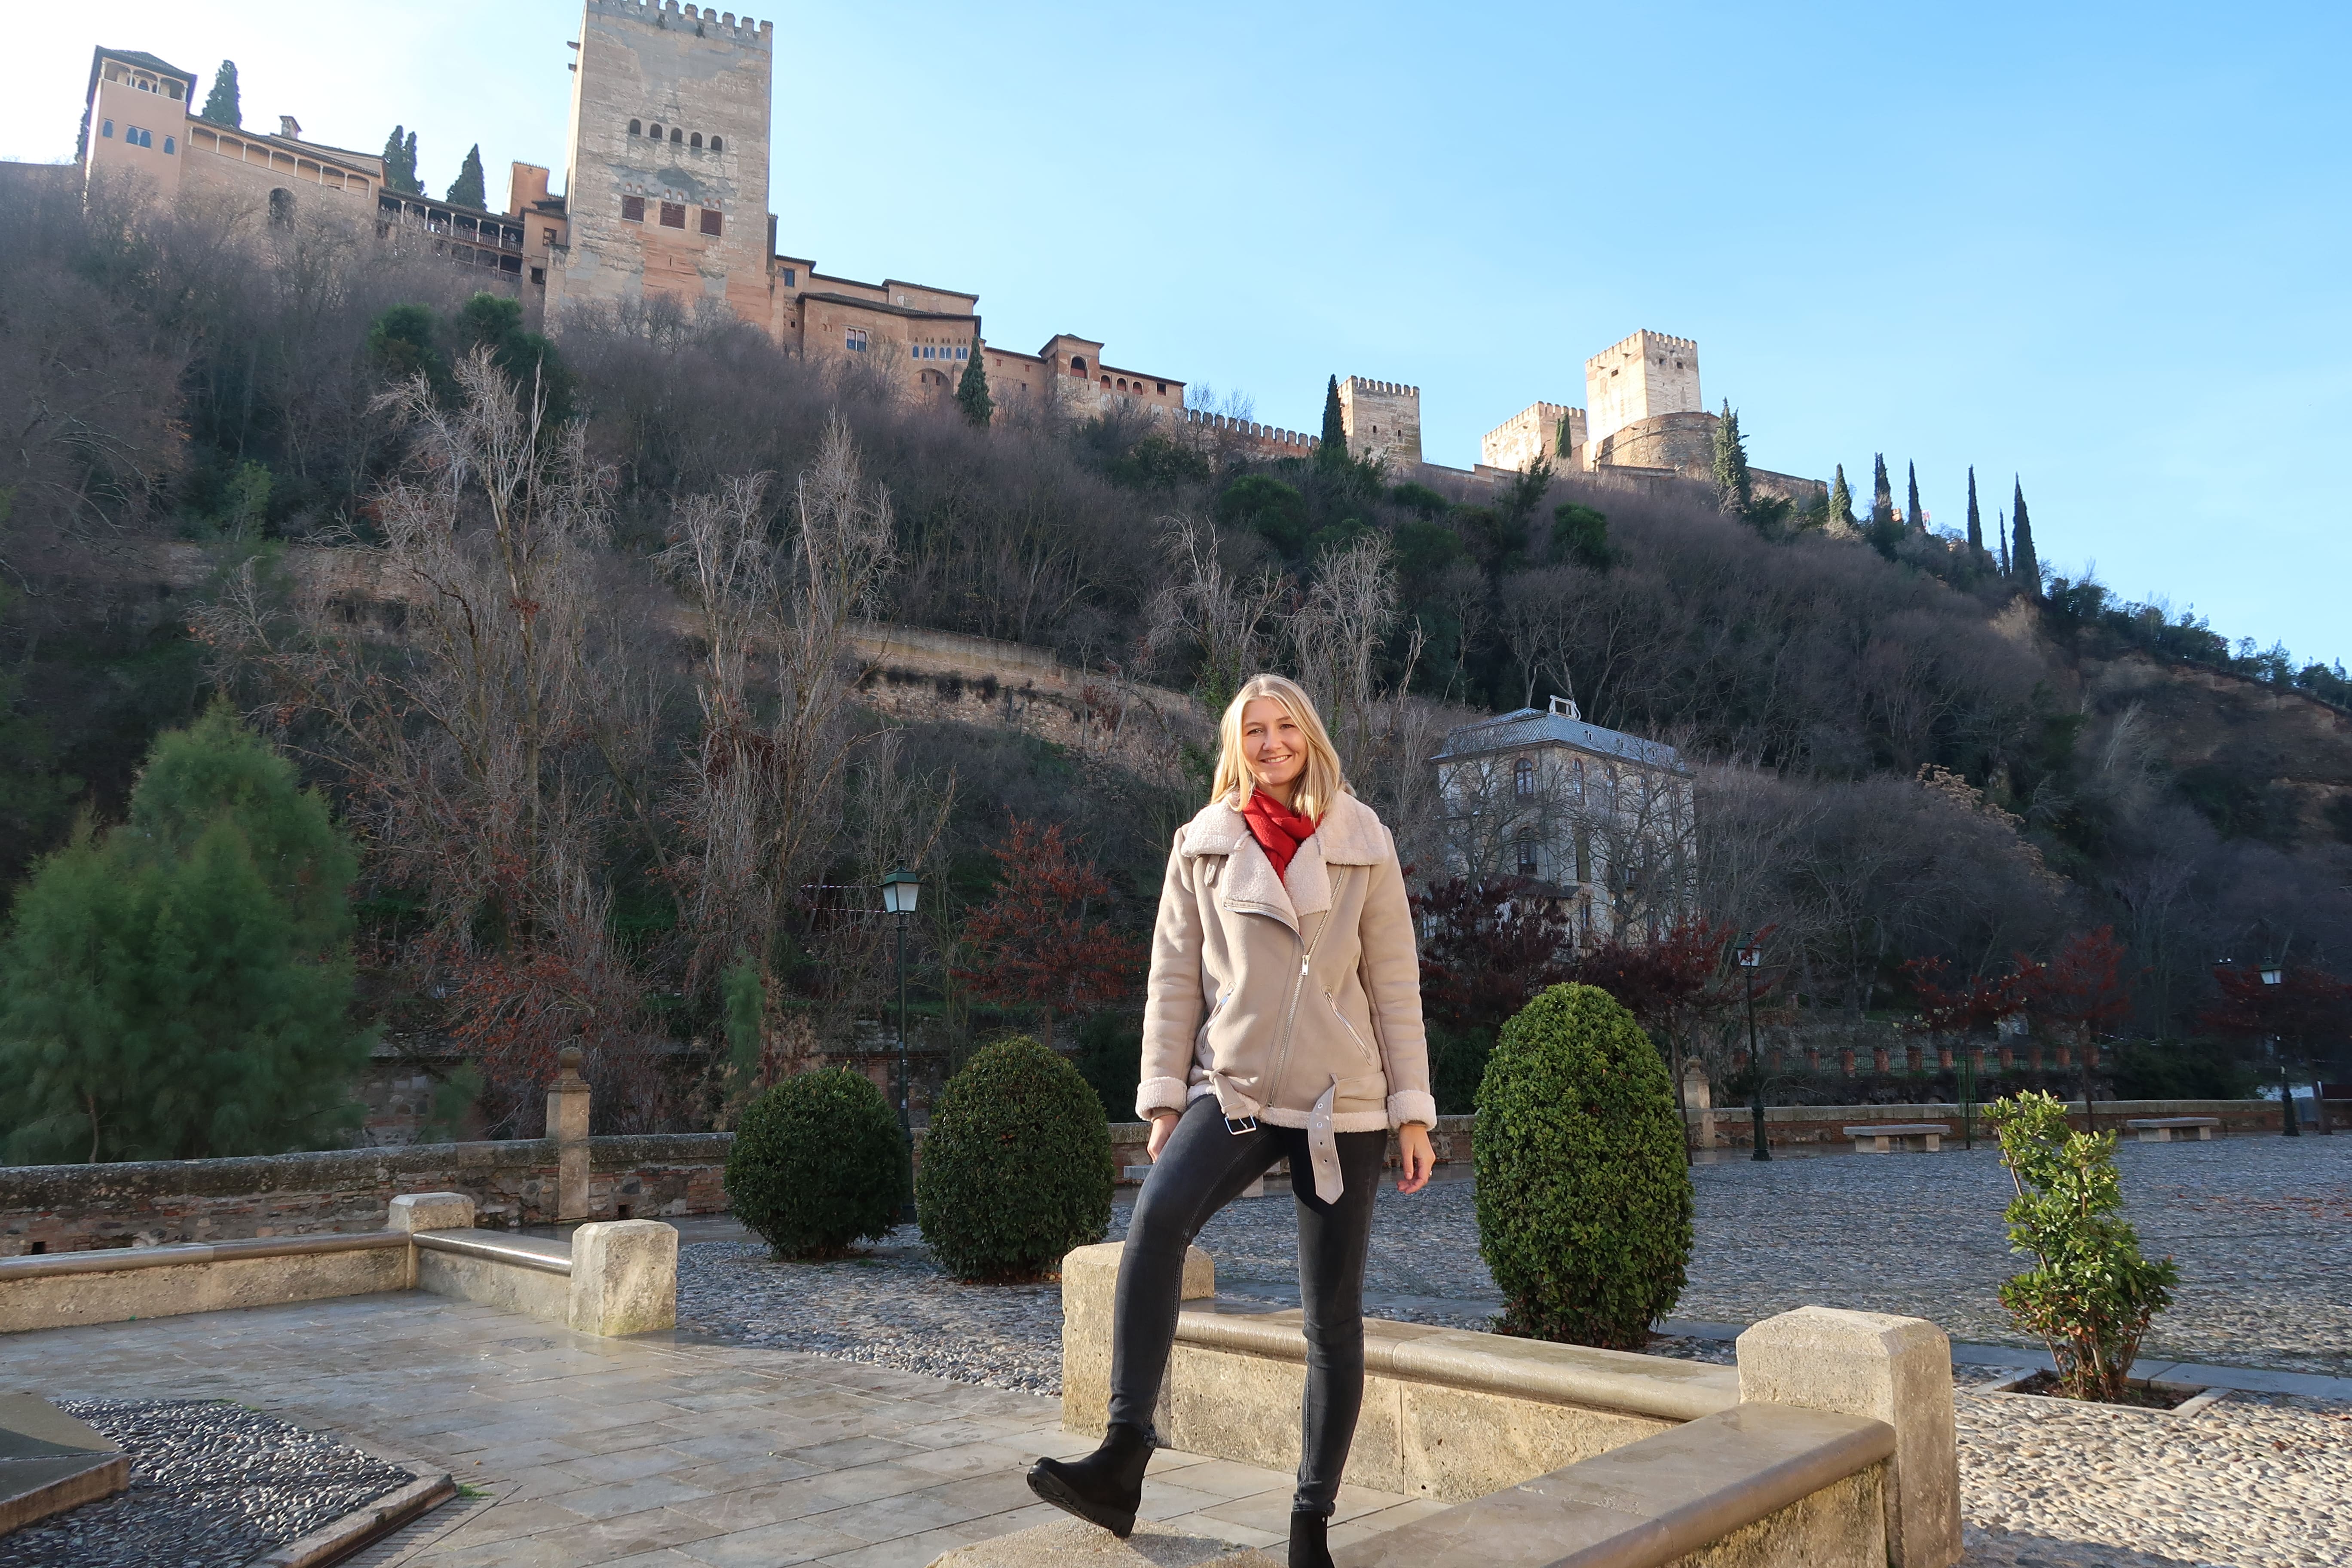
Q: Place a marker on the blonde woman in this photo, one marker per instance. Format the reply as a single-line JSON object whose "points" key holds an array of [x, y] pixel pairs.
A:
{"points": [[1283, 1018]]}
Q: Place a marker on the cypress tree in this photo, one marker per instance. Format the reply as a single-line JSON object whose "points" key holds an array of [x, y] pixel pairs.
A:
{"points": [[2026, 563], [1734, 489], [972, 390], [1917, 515], [1841, 499], [1976, 522], [1560, 445], [466, 190], [2004, 544], [220, 104], [1333, 451], [400, 162], [1885, 529]]}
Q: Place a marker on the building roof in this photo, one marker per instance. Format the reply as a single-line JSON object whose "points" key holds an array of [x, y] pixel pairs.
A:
{"points": [[877, 306], [1533, 727], [140, 57]]}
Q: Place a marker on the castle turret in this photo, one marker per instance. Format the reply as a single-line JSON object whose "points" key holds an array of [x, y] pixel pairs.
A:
{"points": [[1647, 375], [1382, 419]]}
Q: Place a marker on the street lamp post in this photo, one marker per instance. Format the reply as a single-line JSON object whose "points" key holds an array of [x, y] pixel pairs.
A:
{"points": [[1751, 955], [900, 888], [2272, 975]]}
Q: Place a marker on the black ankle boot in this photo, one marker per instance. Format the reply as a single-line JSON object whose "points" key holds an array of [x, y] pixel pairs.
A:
{"points": [[1308, 1548], [1105, 1487]]}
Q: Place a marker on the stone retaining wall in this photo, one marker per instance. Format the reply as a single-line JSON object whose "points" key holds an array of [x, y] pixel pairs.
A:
{"points": [[75, 1208]]}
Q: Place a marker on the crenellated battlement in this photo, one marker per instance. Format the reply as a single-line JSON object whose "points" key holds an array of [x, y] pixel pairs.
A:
{"points": [[1385, 388], [707, 21], [1660, 340], [1248, 430]]}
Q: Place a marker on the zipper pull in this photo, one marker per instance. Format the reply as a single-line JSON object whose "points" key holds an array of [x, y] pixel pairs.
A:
{"points": [[1302, 966]]}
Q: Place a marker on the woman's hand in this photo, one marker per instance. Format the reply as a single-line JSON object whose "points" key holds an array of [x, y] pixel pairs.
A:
{"points": [[1415, 1158], [1163, 1124]]}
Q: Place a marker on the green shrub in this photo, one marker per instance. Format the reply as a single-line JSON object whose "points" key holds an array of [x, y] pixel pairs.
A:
{"points": [[1584, 1191], [1110, 1059], [1017, 1166], [2093, 1294], [818, 1163]]}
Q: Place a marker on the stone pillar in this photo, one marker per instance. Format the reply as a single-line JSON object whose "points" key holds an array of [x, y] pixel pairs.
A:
{"points": [[2034, 1056], [567, 1124], [2007, 1057], [1944, 1056], [1089, 1279], [623, 1276], [412, 1212], [1878, 1060], [2065, 1057], [1896, 1370], [1846, 1063]]}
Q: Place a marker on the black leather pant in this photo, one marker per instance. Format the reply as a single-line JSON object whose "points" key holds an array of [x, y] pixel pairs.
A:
{"points": [[1203, 1169]]}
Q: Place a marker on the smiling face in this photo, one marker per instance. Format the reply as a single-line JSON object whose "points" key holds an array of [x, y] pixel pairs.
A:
{"points": [[1273, 748]]}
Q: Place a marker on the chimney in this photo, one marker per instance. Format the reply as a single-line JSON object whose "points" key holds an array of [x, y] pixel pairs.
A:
{"points": [[289, 128]]}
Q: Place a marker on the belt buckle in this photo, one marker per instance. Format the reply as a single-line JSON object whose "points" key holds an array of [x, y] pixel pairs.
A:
{"points": [[1237, 1125]]}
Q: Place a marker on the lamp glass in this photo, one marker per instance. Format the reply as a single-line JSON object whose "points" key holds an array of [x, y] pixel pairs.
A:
{"points": [[900, 890], [2271, 975], [1750, 957]]}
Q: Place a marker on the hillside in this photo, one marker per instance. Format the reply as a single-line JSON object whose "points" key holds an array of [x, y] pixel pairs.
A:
{"points": [[955, 626]]}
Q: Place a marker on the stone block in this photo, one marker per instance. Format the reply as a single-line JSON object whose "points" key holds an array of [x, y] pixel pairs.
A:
{"points": [[1090, 1281], [623, 1278], [414, 1212], [1891, 1369]]}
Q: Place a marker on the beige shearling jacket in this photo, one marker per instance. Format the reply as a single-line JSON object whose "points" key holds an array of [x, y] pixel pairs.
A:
{"points": [[1297, 1002]]}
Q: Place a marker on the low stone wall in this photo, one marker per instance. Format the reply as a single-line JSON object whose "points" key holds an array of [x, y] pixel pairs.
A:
{"points": [[75, 1208], [1826, 1124]]}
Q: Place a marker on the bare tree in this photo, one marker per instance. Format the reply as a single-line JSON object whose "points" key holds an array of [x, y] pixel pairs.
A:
{"points": [[760, 801], [1208, 609], [1335, 635]]}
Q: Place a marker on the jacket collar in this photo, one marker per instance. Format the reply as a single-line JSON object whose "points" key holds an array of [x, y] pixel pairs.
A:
{"points": [[1349, 835]]}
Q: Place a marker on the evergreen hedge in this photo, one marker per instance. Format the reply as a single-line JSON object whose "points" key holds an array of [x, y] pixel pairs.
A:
{"points": [[818, 1163], [1584, 1190], [1016, 1165]]}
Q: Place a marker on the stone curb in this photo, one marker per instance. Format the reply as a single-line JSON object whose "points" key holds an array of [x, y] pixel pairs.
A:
{"points": [[337, 1540]]}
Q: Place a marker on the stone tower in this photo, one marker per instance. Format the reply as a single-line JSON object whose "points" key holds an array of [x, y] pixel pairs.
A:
{"points": [[1382, 419], [1646, 376], [668, 193]]}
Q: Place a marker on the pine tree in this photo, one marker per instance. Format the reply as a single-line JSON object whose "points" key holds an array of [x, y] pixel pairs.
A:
{"points": [[1734, 489], [181, 986], [1976, 521], [1841, 500], [2026, 565], [465, 190], [220, 104], [1916, 515], [400, 163], [972, 390]]}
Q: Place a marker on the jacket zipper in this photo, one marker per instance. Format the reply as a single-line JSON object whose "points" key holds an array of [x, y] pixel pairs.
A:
{"points": [[1290, 1018], [1350, 1028]]}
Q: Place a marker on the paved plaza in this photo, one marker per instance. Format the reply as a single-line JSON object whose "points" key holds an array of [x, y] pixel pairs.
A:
{"points": [[844, 1413]]}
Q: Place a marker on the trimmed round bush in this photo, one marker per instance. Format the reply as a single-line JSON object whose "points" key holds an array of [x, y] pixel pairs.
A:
{"points": [[1016, 1165], [1584, 1191], [818, 1163]]}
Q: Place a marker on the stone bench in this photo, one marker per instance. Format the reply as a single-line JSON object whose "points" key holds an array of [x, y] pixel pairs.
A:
{"points": [[1831, 1445], [1883, 1137], [614, 1278], [2160, 1129]]}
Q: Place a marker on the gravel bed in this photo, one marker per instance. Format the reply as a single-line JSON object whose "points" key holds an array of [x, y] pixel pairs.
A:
{"points": [[213, 1485], [2255, 1481], [889, 1306]]}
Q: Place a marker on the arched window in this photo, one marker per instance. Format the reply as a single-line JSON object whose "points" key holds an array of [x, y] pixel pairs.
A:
{"points": [[1523, 778], [655, 131], [1530, 858], [636, 128], [694, 141], [716, 145], [1078, 365], [1105, 381], [675, 136], [1122, 383]]}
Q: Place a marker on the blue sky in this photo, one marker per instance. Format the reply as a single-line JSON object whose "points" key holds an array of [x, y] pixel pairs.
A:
{"points": [[2101, 245]]}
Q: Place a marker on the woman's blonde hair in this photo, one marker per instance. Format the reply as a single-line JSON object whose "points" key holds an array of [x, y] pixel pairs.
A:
{"points": [[1324, 780]]}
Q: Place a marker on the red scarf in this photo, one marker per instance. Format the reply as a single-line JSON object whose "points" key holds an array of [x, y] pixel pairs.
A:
{"points": [[1279, 831]]}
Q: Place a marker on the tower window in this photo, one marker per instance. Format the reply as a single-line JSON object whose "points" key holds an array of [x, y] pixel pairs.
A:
{"points": [[170, 145], [636, 128], [694, 141], [792, 276], [106, 129], [1530, 858], [710, 220], [716, 145], [1523, 778], [855, 340], [675, 136], [633, 210], [1078, 365], [673, 215]]}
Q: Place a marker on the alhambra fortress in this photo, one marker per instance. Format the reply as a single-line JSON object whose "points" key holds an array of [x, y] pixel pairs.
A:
{"points": [[666, 194]]}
